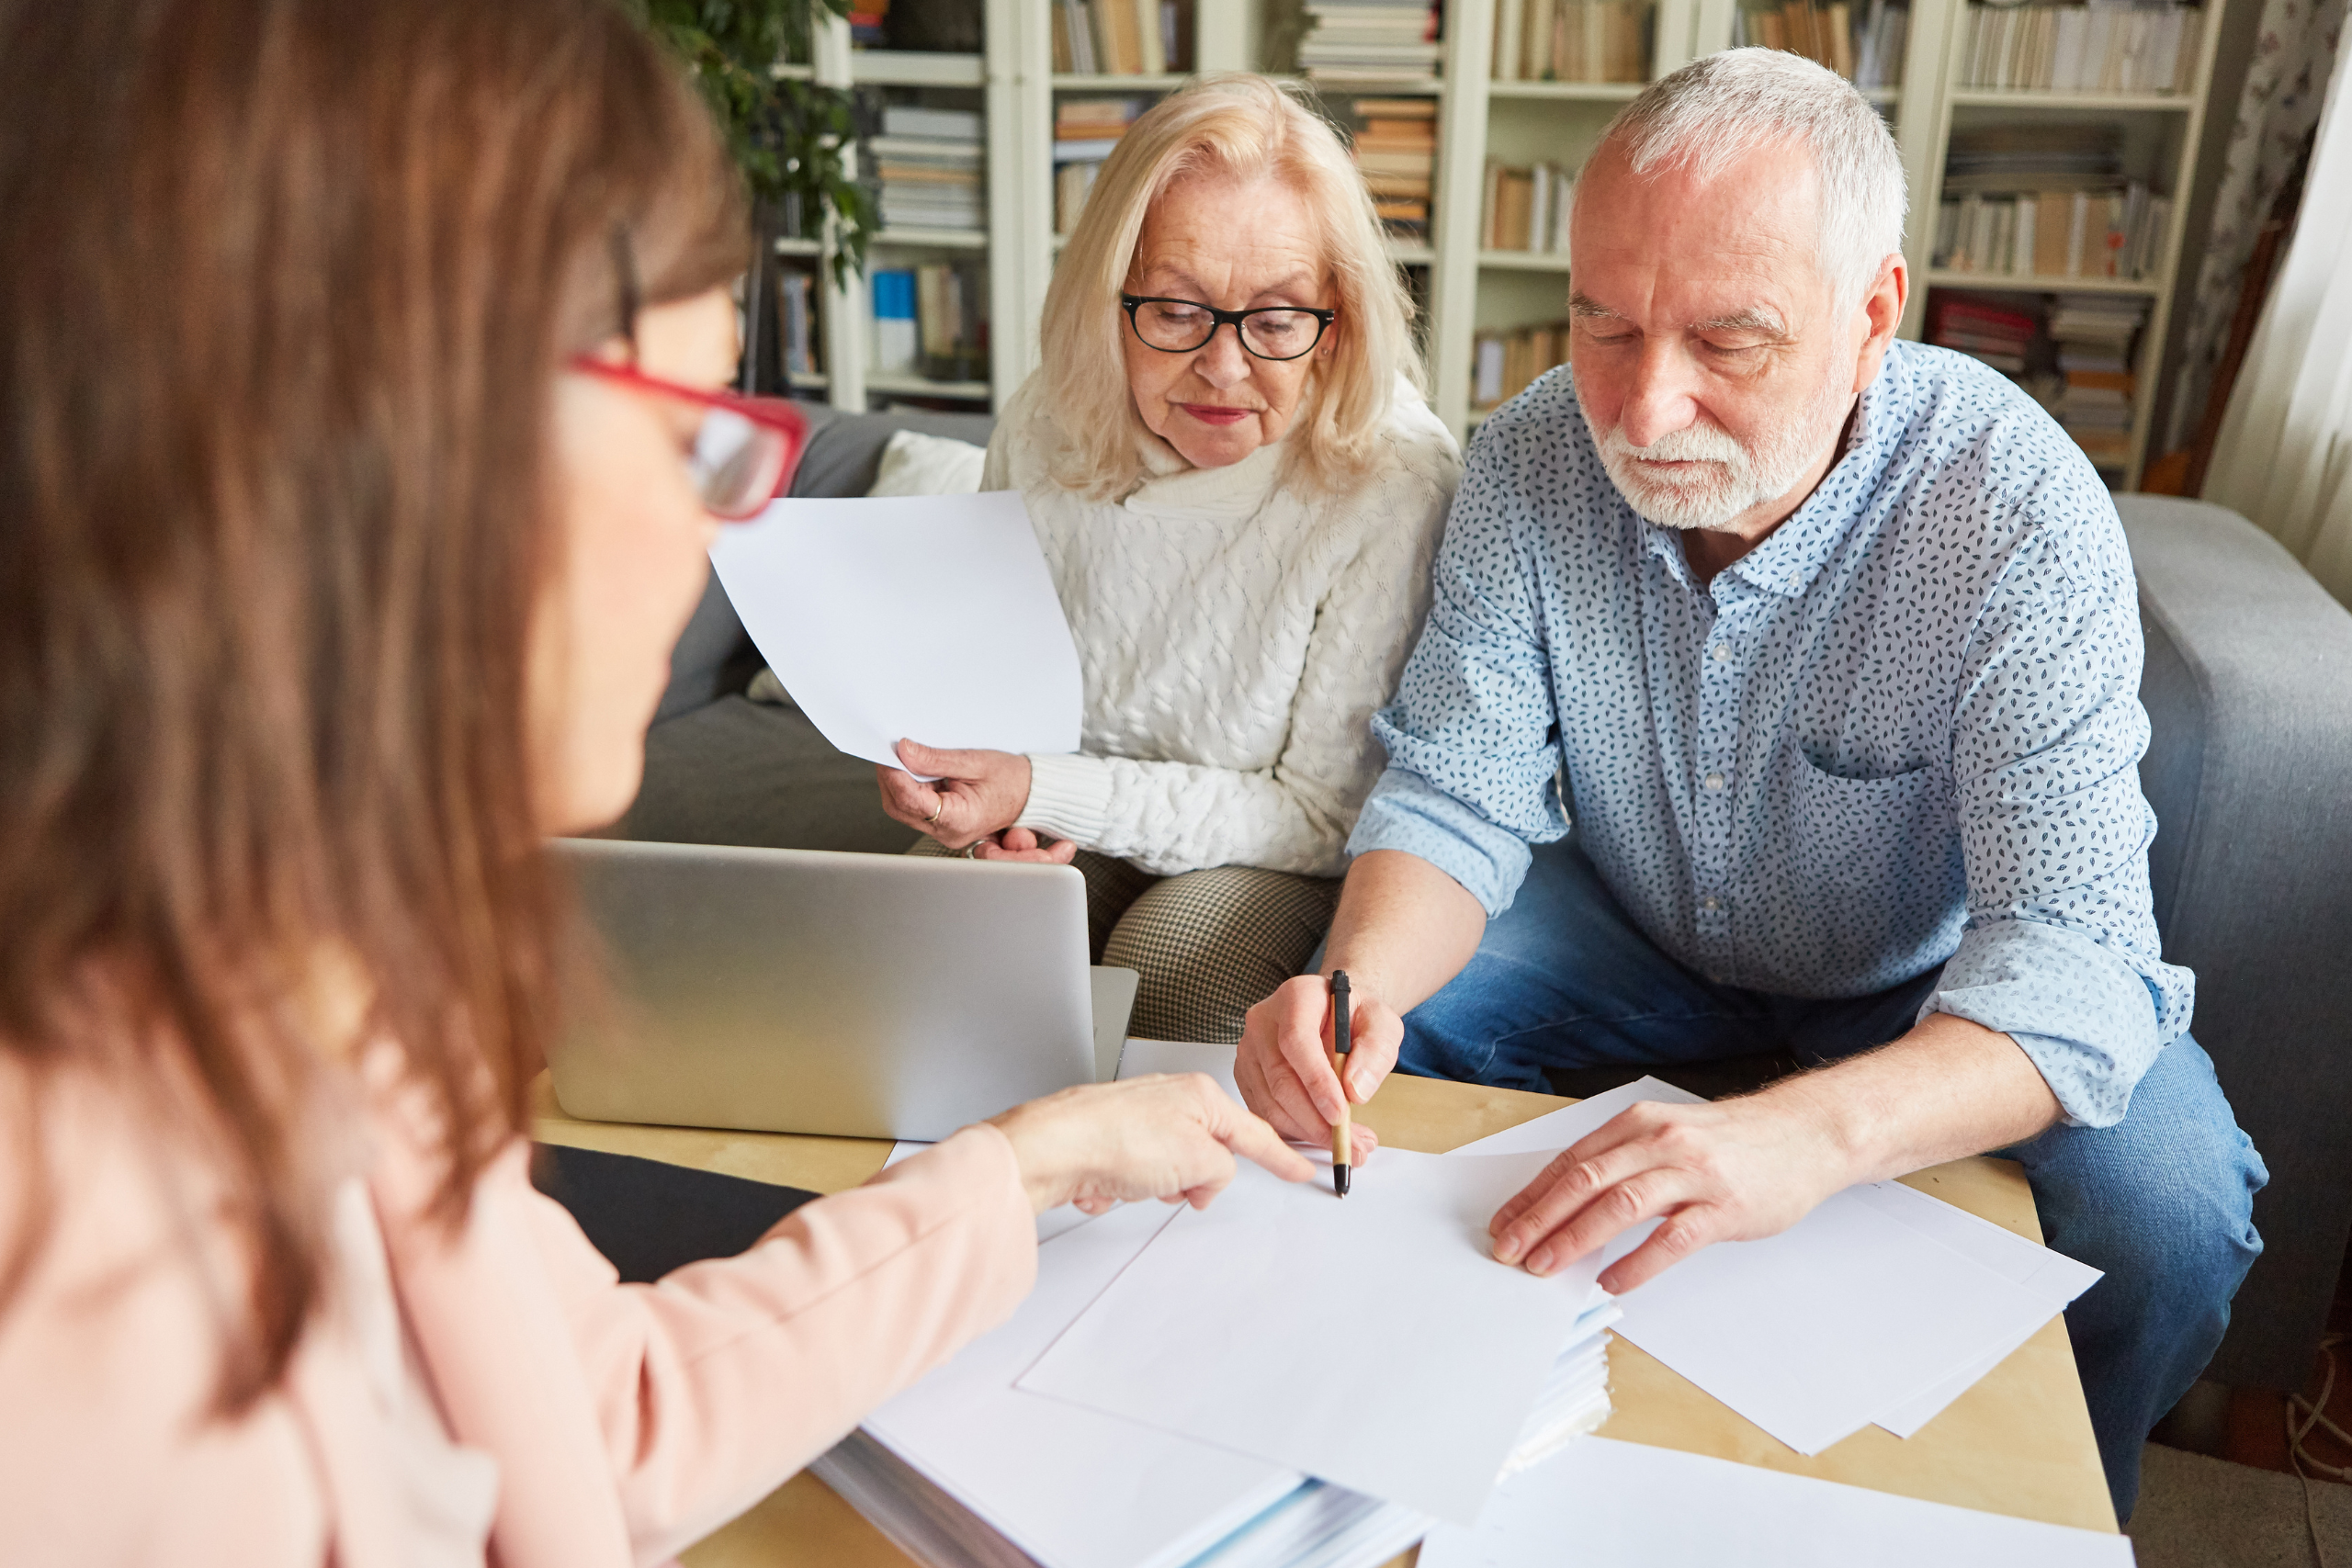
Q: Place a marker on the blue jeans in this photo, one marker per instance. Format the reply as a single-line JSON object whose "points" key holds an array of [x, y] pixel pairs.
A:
{"points": [[2162, 1202]]}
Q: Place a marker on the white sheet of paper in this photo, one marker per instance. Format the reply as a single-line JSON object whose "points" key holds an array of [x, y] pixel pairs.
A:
{"points": [[1072, 1487], [2054, 1277], [1372, 1341], [1630, 1505], [1140, 1059], [929, 618], [1873, 1308]]}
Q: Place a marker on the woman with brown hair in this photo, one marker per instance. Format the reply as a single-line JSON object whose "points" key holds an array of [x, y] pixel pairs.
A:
{"points": [[358, 453]]}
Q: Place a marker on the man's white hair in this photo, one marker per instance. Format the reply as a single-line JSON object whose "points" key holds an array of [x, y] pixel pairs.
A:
{"points": [[1716, 111]]}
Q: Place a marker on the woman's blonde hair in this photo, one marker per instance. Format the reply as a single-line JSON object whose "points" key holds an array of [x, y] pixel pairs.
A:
{"points": [[1249, 127]]}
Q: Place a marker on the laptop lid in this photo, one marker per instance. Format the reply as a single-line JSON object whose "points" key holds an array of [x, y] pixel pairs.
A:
{"points": [[812, 991]]}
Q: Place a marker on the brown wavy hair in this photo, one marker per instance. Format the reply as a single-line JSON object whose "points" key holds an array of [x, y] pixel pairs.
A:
{"points": [[285, 287]]}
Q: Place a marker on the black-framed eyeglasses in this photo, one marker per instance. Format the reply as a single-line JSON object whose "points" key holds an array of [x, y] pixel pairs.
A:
{"points": [[1183, 326]]}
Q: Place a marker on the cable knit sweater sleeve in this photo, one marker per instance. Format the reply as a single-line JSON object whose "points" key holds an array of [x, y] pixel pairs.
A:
{"points": [[1235, 654]]}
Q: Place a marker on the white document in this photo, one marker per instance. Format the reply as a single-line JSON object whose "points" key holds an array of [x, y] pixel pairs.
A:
{"points": [[1372, 1341], [1142, 1058], [929, 618], [1072, 1487], [2052, 1276], [1881, 1305], [1630, 1505]]}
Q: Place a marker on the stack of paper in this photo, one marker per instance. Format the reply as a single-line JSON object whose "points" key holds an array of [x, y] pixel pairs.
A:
{"points": [[1282, 1379]]}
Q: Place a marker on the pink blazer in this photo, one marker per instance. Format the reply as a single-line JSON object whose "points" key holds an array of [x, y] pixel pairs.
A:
{"points": [[623, 1421]]}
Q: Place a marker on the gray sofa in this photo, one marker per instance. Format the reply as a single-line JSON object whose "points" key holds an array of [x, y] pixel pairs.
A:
{"points": [[2249, 690]]}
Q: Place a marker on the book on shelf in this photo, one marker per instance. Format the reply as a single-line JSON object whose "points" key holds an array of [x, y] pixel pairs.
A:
{"points": [[1526, 209], [930, 163], [796, 322], [1119, 37], [1371, 40], [1085, 132], [895, 346], [1572, 40], [951, 321], [2001, 333], [2099, 47], [1396, 150], [2116, 233], [1503, 365], [870, 24]]}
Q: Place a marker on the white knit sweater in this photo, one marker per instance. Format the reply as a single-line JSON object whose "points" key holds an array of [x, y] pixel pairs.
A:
{"points": [[1236, 637]]}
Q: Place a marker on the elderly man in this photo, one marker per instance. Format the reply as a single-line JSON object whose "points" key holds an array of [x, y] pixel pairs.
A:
{"points": [[1828, 644]]}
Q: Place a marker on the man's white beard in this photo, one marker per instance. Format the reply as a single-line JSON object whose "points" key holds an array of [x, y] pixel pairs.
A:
{"points": [[1725, 479]]}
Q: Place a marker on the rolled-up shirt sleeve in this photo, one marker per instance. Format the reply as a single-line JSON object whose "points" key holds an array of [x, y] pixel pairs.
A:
{"points": [[2061, 950], [1473, 749]]}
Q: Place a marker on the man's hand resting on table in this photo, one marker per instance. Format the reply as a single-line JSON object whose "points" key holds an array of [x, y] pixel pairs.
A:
{"points": [[1733, 1171]]}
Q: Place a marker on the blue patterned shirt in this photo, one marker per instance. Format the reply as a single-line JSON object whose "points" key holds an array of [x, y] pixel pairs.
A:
{"points": [[1902, 731]]}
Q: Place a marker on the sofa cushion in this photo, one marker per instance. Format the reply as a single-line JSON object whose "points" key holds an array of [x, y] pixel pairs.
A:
{"points": [[735, 771]]}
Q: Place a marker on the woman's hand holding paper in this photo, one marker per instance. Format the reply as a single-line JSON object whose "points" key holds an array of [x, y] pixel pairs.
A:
{"points": [[973, 795], [1171, 1135]]}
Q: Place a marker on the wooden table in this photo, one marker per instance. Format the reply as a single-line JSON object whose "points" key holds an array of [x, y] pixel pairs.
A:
{"points": [[2020, 1442]]}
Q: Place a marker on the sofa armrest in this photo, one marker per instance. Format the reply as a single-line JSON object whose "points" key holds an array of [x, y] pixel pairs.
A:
{"points": [[2248, 688]]}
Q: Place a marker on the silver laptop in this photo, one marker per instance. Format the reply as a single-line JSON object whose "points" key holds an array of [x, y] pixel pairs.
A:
{"points": [[808, 991]]}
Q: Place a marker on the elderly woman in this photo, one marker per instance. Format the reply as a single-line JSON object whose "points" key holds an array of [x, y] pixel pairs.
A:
{"points": [[1238, 489]]}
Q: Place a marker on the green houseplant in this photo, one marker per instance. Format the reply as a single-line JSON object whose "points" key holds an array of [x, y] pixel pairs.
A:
{"points": [[788, 134]]}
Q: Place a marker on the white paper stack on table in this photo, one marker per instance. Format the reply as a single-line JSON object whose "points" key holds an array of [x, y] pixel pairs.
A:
{"points": [[1282, 1379]]}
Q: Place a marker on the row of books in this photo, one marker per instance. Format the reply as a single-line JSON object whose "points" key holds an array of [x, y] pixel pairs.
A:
{"points": [[1503, 365], [1085, 132], [930, 162], [1573, 41], [1371, 40], [1122, 37], [2099, 47], [1526, 209], [1396, 150], [2073, 352], [1864, 44], [2055, 233], [931, 321]]}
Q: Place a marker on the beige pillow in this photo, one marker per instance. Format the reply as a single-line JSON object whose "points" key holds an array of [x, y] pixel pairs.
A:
{"points": [[914, 464]]}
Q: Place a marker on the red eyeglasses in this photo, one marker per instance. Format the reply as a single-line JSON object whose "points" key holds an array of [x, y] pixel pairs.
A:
{"points": [[746, 449]]}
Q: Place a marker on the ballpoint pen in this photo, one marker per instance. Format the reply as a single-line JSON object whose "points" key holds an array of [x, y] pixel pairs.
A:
{"points": [[1341, 1130]]}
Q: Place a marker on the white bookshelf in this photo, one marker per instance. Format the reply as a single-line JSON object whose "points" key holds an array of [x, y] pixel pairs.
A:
{"points": [[2161, 135], [1469, 289]]}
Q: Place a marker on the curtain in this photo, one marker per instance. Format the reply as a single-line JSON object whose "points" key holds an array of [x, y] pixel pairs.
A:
{"points": [[2284, 457], [2286, 82]]}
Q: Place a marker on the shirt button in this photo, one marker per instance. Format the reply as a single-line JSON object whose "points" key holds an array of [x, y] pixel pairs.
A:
{"points": [[1721, 651], [1711, 904], [1714, 781]]}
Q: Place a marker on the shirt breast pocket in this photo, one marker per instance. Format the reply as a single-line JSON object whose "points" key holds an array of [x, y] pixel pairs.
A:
{"points": [[1874, 864]]}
